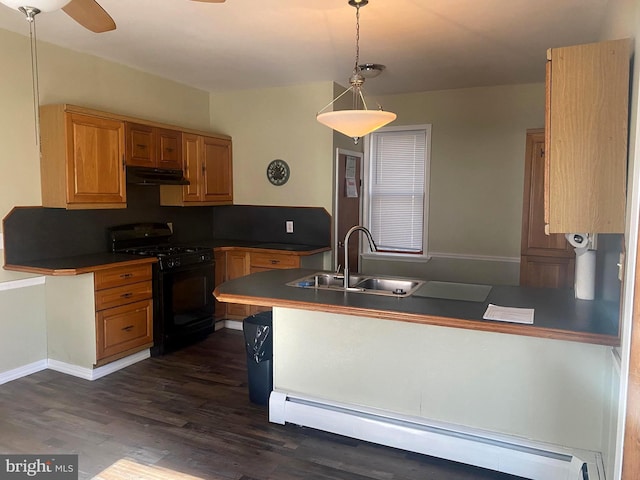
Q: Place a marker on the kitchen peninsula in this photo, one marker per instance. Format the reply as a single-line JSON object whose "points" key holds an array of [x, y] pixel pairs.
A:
{"points": [[435, 364]]}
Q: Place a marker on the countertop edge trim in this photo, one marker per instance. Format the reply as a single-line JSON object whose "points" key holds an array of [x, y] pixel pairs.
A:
{"points": [[80, 270], [495, 327]]}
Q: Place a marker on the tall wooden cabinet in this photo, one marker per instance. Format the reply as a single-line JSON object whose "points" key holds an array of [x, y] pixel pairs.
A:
{"points": [[587, 99], [546, 260], [82, 161]]}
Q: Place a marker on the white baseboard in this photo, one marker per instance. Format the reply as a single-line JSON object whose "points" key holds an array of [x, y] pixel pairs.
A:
{"points": [[22, 371], [494, 451], [233, 324], [96, 373], [75, 370]]}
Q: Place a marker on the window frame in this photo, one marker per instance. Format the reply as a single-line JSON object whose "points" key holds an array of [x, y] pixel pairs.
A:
{"points": [[366, 200]]}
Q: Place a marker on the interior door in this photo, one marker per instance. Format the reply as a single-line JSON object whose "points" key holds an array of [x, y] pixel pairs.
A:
{"points": [[347, 206]]}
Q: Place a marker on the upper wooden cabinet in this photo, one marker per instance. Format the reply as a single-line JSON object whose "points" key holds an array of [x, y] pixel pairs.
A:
{"points": [[148, 146], [208, 167], [84, 154], [587, 99], [82, 160]]}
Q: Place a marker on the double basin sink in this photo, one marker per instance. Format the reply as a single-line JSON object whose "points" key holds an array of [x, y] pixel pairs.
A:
{"points": [[371, 284]]}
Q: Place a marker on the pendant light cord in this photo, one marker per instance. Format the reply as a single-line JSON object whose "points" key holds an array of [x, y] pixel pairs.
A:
{"points": [[355, 66], [31, 13]]}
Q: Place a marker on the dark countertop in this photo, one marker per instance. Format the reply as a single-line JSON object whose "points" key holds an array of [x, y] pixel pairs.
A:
{"points": [[74, 265], [79, 264], [294, 248], [558, 314]]}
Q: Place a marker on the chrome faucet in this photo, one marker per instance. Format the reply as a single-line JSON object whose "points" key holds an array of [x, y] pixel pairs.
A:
{"points": [[372, 245]]}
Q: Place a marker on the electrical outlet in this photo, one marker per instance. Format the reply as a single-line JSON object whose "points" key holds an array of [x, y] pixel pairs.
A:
{"points": [[289, 226]]}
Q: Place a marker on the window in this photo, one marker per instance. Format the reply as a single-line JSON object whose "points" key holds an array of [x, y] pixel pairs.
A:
{"points": [[398, 188]]}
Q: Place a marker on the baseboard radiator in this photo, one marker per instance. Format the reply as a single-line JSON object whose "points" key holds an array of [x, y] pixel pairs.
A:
{"points": [[503, 453]]}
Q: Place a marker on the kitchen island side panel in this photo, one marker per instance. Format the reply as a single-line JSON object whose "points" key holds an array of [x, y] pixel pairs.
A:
{"points": [[546, 390]]}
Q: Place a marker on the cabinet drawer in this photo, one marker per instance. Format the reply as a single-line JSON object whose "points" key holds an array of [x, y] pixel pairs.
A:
{"points": [[267, 260], [116, 296], [114, 277], [123, 328]]}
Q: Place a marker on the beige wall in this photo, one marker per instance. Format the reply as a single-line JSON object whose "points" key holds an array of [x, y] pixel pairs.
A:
{"points": [[477, 162], [278, 123], [544, 390]]}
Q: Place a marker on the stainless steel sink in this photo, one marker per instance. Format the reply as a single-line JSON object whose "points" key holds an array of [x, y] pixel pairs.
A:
{"points": [[371, 284]]}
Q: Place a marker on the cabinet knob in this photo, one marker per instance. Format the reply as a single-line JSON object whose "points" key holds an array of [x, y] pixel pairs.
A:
{"points": [[126, 275], [127, 295], [128, 328]]}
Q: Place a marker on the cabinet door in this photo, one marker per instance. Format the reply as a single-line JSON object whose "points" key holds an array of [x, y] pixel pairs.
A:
{"points": [[220, 277], [169, 148], [95, 160], [587, 123], [547, 260], [140, 145], [218, 177], [547, 272], [237, 266], [123, 328], [191, 152]]}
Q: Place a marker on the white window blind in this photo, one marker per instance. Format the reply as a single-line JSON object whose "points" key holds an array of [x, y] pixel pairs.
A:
{"points": [[397, 190]]}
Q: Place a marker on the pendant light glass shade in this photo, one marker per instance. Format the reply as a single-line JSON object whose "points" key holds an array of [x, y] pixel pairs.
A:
{"points": [[356, 123], [42, 5]]}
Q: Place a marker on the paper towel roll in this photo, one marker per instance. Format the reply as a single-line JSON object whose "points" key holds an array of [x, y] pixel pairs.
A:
{"points": [[585, 282]]}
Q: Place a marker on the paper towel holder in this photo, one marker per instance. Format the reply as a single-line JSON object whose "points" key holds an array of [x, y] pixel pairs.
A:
{"points": [[579, 240]]}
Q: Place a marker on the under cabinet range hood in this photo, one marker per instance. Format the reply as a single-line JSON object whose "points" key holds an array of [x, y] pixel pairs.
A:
{"points": [[155, 176]]}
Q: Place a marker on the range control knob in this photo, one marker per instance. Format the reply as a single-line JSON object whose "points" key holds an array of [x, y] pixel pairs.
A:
{"points": [[176, 262]]}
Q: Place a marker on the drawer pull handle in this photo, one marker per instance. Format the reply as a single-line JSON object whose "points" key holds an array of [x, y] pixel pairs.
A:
{"points": [[141, 145], [274, 262], [169, 150], [126, 275], [127, 295], [128, 328]]}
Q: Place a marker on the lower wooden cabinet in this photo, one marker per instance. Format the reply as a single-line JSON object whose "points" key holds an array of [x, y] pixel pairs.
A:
{"points": [[124, 311], [240, 262]]}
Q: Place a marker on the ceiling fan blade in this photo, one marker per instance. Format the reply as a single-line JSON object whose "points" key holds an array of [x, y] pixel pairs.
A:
{"points": [[90, 15]]}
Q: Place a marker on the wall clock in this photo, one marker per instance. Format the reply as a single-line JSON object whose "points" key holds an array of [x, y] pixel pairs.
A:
{"points": [[278, 172]]}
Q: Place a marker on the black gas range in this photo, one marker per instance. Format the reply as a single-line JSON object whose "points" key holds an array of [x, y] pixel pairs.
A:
{"points": [[183, 283]]}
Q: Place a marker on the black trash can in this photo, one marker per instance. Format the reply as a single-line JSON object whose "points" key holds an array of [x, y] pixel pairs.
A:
{"points": [[258, 339]]}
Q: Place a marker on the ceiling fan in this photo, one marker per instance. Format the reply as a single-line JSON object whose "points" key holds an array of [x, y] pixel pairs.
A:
{"points": [[87, 13]]}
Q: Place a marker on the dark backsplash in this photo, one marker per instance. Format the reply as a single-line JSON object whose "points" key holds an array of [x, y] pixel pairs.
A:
{"points": [[36, 233], [311, 226]]}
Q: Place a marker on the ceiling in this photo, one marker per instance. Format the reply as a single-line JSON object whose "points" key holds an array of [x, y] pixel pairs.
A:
{"points": [[240, 44]]}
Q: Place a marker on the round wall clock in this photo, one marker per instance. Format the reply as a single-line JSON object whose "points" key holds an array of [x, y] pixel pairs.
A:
{"points": [[278, 172]]}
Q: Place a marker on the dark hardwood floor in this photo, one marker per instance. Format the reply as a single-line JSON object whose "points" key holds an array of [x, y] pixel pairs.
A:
{"points": [[189, 411]]}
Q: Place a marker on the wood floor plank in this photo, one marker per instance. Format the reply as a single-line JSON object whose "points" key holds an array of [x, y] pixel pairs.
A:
{"points": [[189, 412]]}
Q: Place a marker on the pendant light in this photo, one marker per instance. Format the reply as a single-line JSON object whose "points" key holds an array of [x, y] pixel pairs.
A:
{"points": [[357, 122]]}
